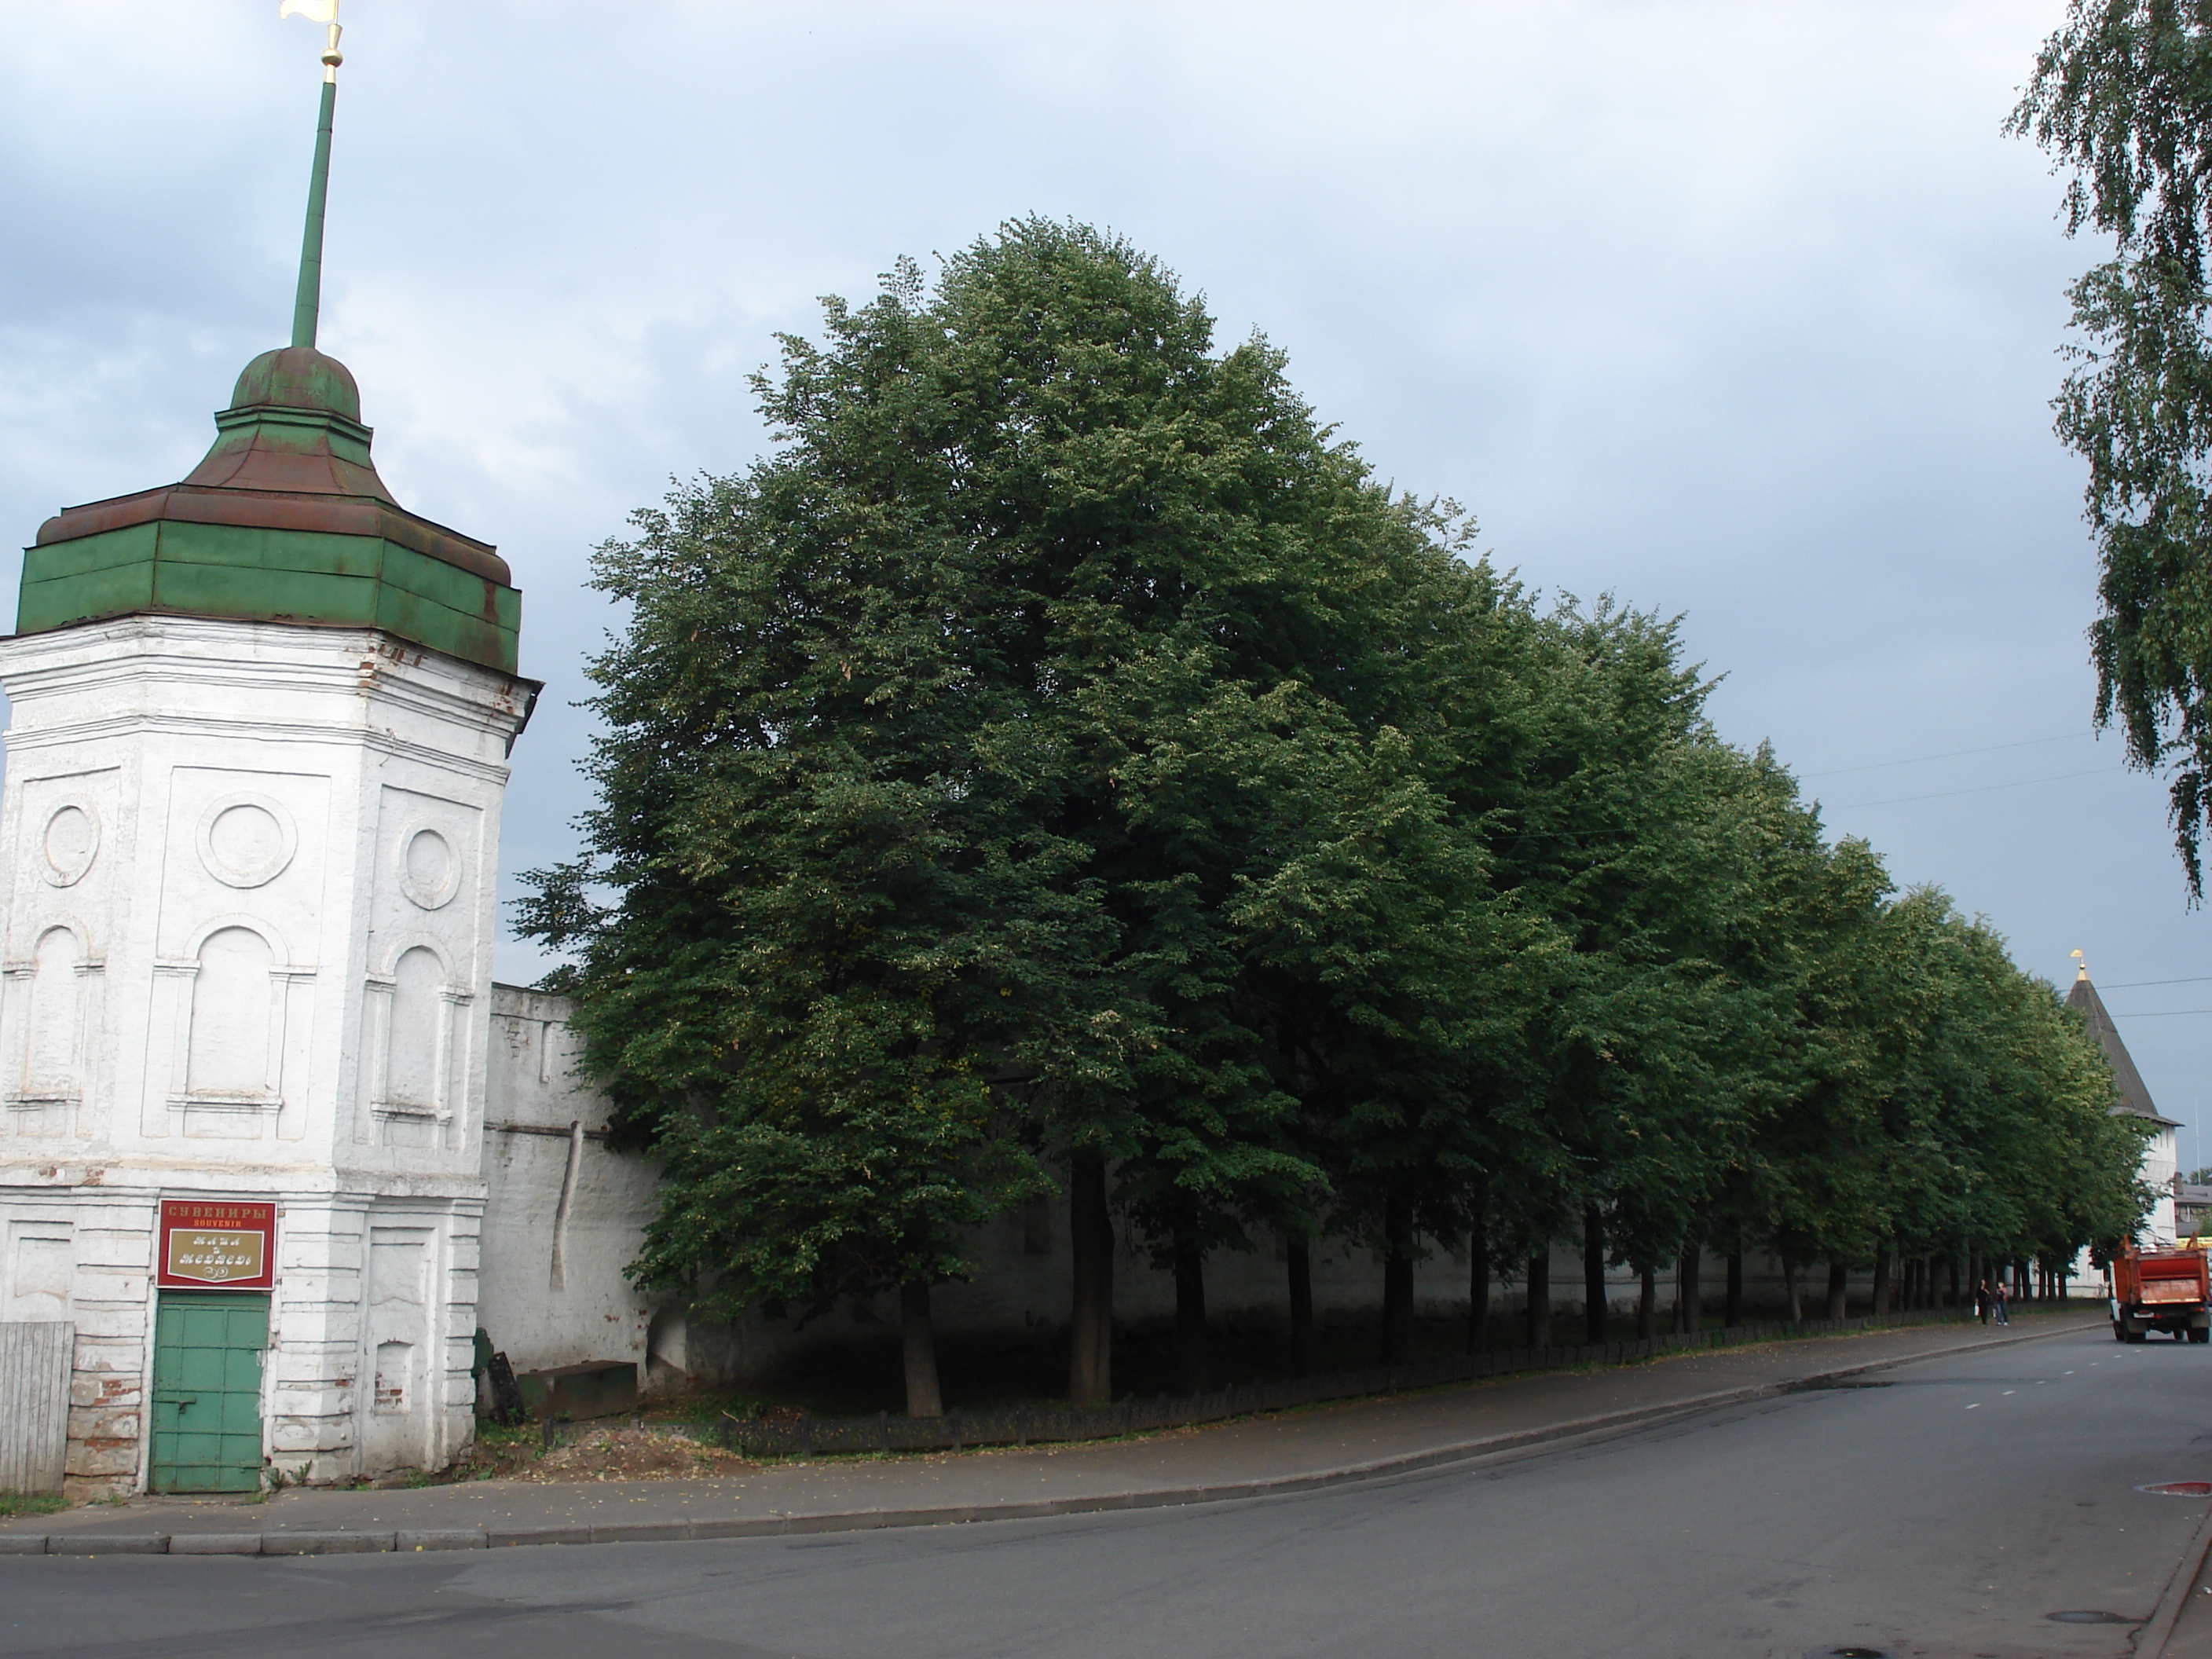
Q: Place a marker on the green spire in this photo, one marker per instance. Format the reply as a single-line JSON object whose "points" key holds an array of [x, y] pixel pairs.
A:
{"points": [[309, 303], [307, 307]]}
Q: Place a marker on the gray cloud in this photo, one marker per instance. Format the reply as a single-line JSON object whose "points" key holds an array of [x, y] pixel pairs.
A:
{"points": [[1740, 310]]}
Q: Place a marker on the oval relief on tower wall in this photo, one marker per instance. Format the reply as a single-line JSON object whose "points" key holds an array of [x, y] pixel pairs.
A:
{"points": [[71, 844], [247, 840], [430, 870]]}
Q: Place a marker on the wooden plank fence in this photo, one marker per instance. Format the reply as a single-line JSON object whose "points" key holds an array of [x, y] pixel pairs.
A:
{"points": [[35, 1361]]}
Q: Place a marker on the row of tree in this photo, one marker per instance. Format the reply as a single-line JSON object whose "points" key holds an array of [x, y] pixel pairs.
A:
{"points": [[1060, 755]]}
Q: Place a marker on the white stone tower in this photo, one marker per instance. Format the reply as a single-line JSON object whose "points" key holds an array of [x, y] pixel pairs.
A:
{"points": [[252, 817]]}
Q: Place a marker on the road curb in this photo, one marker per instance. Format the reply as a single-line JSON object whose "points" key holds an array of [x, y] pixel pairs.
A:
{"points": [[336, 1541], [2151, 1640]]}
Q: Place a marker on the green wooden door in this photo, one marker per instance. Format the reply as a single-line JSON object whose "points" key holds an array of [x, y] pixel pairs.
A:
{"points": [[207, 1390]]}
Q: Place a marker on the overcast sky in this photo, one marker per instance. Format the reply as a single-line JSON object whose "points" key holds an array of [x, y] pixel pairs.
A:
{"points": [[1742, 311]]}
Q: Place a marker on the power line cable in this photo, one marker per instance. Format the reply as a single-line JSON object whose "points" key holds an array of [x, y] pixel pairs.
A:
{"points": [[2139, 984], [1955, 754], [1979, 789]]}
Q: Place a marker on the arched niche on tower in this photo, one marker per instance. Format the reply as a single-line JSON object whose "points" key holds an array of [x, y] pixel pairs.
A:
{"points": [[50, 1013], [411, 1034], [230, 1005]]}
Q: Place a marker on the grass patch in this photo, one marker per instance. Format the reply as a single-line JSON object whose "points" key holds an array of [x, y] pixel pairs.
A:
{"points": [[13, 1504]]}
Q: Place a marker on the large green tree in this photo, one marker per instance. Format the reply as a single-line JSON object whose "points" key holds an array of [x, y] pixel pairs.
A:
{"points": [[2121, 97], [1059, 759]]}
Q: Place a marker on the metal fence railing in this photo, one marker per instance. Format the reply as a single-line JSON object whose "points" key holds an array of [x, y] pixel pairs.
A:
{"points": [[803, 1436]]}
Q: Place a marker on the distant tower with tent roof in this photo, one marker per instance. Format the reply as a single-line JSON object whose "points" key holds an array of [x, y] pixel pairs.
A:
{"points": [[2161, 1152]]}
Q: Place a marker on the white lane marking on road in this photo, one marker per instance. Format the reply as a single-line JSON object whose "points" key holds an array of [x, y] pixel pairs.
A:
{"points": [[2010, 1391], [1976, 1407]]}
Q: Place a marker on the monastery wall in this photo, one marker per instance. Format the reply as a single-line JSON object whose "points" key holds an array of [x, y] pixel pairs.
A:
{"points": [[565, 1216]]}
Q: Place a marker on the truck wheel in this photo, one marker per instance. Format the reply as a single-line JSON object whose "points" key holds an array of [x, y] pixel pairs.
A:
{"points": [[2138, 1336], [2200, 1335], [2118, 1335]]}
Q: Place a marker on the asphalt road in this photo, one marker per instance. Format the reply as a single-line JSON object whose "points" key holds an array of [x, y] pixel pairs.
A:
{"points": [[1945, 1511]]}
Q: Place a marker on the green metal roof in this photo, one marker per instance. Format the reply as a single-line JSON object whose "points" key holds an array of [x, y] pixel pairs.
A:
{"points": [[285, 520]]}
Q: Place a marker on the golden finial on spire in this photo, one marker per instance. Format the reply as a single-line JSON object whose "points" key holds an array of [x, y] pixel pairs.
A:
{"points": [[2084, 962], [307, 303], [318, 11]]}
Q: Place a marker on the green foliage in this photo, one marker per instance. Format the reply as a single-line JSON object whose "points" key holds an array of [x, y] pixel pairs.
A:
{"points": [[1061, 745], [2122, 96]]}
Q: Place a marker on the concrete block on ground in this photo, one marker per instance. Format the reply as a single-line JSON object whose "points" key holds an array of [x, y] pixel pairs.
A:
{"points": [[22, 1543], [214, 1543], [598, 1388], [108, 1543], [450, 1538], [324, 1543], [513, 1537]]}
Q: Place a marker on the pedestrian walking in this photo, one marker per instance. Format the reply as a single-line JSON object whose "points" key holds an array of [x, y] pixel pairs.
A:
{"points": [[2002, 1297], [1981, 1300]]}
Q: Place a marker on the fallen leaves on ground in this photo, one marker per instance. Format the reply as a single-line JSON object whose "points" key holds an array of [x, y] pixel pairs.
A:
{"points": [[605, 1455]]}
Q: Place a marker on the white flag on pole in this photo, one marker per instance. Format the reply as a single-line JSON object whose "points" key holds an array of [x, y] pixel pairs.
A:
{"points": [[317, 11]]}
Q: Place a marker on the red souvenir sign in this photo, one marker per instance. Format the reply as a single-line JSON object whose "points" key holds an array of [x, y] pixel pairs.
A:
{"points": [[216, 1244]]}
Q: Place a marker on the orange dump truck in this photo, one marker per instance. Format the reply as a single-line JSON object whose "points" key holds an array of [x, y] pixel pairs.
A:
{"points": [[2167, 1290]]}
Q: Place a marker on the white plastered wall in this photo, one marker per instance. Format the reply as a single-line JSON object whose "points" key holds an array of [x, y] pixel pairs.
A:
{"points": [[563, 1216]]}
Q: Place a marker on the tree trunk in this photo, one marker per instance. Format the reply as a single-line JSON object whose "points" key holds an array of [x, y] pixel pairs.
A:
{"points": [[1478, 1283], [1540, 1298], [1733, 1313], [1091, 1245], [1647, 1303], [1839, 1291], [1881, 1278], [1397, 1281], [1690, 1276], [1790, 1291], [1192, 1372], [1594, 1308], [919, 1338], [1302, 1319], [1952, 1300]]}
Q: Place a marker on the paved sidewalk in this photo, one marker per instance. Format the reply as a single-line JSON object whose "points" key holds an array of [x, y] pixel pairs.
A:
{"points": [[1287, 1451]]}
